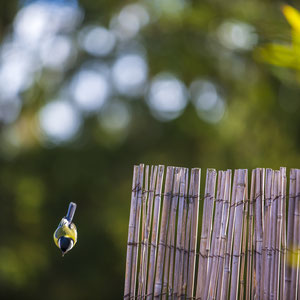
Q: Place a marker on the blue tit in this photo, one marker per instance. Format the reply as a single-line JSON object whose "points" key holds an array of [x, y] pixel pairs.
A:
{"points": [[65, 236]]}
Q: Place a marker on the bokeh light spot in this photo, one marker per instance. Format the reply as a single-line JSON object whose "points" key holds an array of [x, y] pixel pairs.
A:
{"points": [[209, 104], [130, 20], [130, 74], [41, 19], [167, 97], [90, 89], [237, 35], [16, 70], [30, 24], [62, 47], [59, 121], [97, 40]]}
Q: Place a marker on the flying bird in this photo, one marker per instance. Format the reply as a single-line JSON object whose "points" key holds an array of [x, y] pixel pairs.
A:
{"points": [[65, 236]]}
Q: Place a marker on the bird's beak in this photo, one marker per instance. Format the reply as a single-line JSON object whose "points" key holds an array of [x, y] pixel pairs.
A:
{"points": [[63, 254]]}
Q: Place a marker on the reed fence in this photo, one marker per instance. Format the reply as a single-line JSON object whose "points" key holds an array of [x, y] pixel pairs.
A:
{"points": [[242, 246]]}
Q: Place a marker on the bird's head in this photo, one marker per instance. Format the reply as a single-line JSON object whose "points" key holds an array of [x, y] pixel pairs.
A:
{"points": [[65, 244]]}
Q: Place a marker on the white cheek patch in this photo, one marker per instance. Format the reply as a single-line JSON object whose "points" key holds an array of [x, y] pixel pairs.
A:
{"points": [[71, 245]]}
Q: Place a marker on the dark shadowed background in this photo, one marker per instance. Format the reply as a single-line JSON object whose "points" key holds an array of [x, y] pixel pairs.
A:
{"points": [[90, 88]]}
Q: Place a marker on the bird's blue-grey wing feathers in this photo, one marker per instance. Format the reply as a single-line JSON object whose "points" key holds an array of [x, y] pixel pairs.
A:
{"points": [[71, 211]]}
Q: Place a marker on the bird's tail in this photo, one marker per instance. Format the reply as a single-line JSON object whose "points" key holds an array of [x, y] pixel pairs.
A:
{"points": [[71, 211]]}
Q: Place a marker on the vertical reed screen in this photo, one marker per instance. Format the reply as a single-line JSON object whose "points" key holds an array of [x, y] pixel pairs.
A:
{"points": [[246, 247]]}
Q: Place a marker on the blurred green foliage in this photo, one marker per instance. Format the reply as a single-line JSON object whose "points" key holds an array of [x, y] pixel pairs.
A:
{"points": [[285, 55], [38, 177]]}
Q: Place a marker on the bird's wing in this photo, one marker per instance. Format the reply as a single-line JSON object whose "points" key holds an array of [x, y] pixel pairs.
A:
{"points": [[71, 211]]}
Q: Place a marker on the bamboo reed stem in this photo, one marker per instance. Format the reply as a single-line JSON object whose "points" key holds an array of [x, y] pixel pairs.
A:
{"points": [[136, 243], [154, 235], [143, 263], [187, 237], [238, 225], [253, 277], [194, 201], [267, 235], [211, 254], [296, 238], [131, 229], [278, 231], [187, 232], [266, 217], [263, 281], [179, 235], [147, 230], [290, 227], [283, 235], [297, 232], [170, 251], [163, 233], [260, 207], [227, 262], [273, 234], [211, 283], [250, 247], [209, 198], [244, 236], [224, 226], [184, 245]]}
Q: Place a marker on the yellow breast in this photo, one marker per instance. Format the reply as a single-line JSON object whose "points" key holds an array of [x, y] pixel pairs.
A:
{"points": [[65, 230]]}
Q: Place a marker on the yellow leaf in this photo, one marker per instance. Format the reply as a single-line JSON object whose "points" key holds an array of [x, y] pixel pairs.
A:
{"points": [[279, 55], [292, 15]]}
